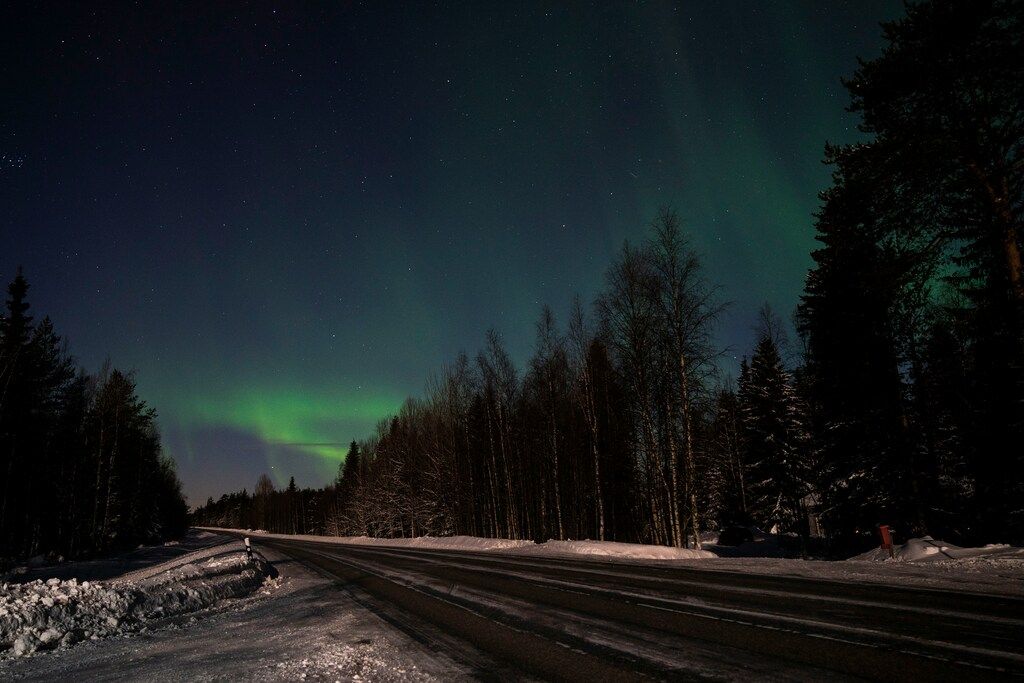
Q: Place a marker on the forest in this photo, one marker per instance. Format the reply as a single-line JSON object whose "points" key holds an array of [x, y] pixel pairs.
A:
{"points": [[899, 400], [81, 468]]}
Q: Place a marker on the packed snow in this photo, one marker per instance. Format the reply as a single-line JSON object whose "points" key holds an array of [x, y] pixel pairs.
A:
{"points": [[992, 569], [763, 546], [632, 551], [106, 568], [635, 551], [607, 549], [304, 626], [927, 549], [56, 613], [473, 543], [298, 626]]}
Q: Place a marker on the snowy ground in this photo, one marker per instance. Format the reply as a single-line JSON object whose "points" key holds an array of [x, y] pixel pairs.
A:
{"points": [[198, 617], [993, 569], [109, 567], [58, 613], [297, 626], [931, 551], [604, 549]]}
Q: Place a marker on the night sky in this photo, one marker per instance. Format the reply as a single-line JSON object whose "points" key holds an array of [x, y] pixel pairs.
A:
{"points": [[285, 220]]}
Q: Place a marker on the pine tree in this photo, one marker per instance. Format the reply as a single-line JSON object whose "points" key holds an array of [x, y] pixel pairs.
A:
{"points": [[727, 455], [934, 195], [776, 443], [80, 462], [263, 499], [35, 373], [292, 505], [348, 472], [942, 395], [15, 408]]}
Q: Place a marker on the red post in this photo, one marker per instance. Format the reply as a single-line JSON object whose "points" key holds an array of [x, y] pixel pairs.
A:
{"points": [[883, 531]]}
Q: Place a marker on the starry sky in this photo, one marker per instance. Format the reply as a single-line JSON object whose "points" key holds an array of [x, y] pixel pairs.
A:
{"points": [[286, 218]]}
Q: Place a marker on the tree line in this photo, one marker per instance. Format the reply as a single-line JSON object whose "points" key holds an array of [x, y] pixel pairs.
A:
{"points": [[619, 429], [913, 315], [902, 403], [81, 468]]}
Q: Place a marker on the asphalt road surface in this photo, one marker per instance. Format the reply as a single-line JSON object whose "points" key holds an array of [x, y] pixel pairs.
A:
{"points": [[578, 619]]}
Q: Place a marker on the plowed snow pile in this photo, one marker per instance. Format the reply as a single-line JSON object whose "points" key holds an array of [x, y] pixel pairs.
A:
{"points": [[635, 551], [632, 551], [927, 549], [43, 615], [436, 542]]}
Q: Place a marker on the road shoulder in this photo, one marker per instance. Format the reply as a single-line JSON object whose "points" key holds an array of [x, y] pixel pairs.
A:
{"points": [[299, 626]]}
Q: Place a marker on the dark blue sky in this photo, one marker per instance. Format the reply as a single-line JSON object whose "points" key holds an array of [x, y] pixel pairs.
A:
{"points": [[286, 219]]}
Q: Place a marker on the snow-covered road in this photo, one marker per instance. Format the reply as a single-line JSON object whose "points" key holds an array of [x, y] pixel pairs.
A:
{"points": [[559, 617], [299, 626], [462, 608]]}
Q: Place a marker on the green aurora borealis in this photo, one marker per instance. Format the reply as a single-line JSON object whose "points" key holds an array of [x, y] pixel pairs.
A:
{"points": [[290, 419], [288, 222]]}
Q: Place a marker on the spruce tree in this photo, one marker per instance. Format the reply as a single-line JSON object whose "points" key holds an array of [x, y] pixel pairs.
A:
{"points": [[933, 195], [776, 442], [727, 477], [81, 468], [854, 382]]}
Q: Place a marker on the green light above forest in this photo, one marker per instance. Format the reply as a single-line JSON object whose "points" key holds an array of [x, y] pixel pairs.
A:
{"points": [[314, 423]]}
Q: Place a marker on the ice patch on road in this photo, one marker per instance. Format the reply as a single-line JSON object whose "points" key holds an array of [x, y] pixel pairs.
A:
{"points": [[43, 615]]}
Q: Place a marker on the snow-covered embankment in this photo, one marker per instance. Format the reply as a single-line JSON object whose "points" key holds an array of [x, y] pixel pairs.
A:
{"points": [[43, 615], [929, 550], [600, 549]]}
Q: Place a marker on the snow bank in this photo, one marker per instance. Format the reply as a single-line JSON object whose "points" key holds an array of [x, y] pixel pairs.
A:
{"points": [[441, 542], [632, 551], [635, 551], [110, 567], [43, 615], [927, 549], [608, 549], [159, 572]]}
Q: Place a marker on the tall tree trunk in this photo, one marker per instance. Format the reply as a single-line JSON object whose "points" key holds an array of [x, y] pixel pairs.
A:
{"points": [[588, 404], [492, 473], [598, 494], [691, 463], [656, 477], [555, 479], [472, 485], [512, 522], [999, 197], [100, 496], [673, 466], [111, 472], [1011, 247]]}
